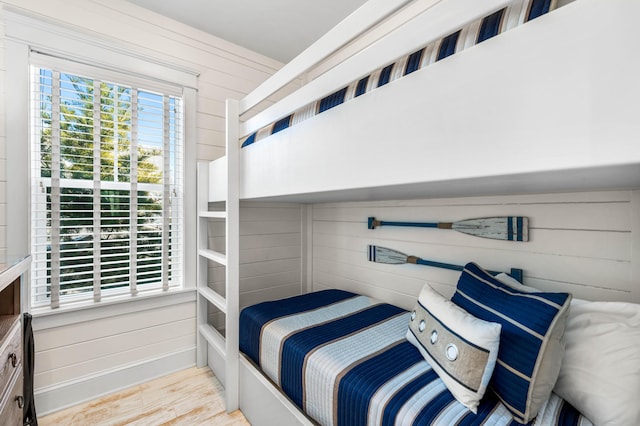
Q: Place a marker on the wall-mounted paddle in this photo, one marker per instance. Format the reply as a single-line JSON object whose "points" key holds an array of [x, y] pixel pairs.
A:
{"points": [[394, 257], [510, 228]]}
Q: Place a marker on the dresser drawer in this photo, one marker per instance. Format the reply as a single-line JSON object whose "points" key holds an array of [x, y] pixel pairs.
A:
{"points": [[12, 402], [10, 355]]}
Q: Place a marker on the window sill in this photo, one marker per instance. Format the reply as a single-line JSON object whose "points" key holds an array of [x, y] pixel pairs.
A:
{"points": [[45, 318]]}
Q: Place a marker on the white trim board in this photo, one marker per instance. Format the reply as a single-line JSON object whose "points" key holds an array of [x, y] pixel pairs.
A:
{"points": [[61, 318], [75, 44]]}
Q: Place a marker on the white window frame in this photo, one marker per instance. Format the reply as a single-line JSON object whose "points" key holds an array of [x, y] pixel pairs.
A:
{"points": [[27, 37], [171, 191]]}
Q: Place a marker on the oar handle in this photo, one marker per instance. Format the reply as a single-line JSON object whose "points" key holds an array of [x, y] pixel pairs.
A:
{"points": [[419, 261], [515, 272], [372, 223]]}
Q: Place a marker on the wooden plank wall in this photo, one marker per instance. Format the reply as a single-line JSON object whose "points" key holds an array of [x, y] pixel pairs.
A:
{"points": [[77, 350], [76, 358], [579, 242], [270, 254]]}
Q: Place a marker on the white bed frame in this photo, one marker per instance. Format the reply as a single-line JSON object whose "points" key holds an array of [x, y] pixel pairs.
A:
{"points": [[548, 106]]}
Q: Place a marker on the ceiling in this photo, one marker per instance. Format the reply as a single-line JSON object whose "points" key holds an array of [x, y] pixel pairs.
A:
{"points": [[279, 29]]}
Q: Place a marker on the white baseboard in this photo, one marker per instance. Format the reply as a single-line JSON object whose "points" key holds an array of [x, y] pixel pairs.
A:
{"points": [[63, 395]]}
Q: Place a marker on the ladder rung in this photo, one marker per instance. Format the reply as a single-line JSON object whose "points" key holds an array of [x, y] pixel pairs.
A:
{"points": [[215, 298], [213, 255], [218, 215], [214, 338]]}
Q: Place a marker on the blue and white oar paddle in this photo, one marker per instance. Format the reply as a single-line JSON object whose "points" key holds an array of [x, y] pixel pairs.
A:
{"points": [[394, 257], [510, 228]]}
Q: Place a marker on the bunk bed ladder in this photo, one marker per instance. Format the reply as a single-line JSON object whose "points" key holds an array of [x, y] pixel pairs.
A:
{"points": [[225, 343]]}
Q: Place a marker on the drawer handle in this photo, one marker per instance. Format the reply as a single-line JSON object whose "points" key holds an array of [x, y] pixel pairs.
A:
{"points": [[20, 401], [14, 359]]}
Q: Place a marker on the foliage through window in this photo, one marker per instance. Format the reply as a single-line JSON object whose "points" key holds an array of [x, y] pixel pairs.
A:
{"points": [[107, 185]]}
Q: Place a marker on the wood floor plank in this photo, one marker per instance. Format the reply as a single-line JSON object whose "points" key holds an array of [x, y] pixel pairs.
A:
{"points": [[189, 397]]}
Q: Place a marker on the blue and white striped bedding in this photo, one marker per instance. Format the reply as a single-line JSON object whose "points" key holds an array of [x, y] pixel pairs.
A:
{"points": [[344, 360], [516, 13]]}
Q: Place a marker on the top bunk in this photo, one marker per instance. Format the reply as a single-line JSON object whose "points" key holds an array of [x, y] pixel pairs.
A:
{"points": [[465, 98]]}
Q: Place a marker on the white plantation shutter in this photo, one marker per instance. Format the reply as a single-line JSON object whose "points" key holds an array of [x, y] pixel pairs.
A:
{"points": [[107, 182]]}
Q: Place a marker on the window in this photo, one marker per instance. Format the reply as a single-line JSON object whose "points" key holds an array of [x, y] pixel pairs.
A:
{"points": [[106, 187]]}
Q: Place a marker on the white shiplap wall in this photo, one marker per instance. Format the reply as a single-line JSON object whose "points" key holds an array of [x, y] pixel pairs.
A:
{"points": [[270, 251], [78, 350], [270, 254], [162, 329], [579, 242], [82, 354]]}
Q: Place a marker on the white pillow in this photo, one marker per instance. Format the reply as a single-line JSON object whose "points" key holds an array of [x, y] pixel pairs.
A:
{"points": [[507, 279], [460, 348], [600, 371]]}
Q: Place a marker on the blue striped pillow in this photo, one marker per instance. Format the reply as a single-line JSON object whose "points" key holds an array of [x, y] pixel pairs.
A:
{"points": [[531, 341]]}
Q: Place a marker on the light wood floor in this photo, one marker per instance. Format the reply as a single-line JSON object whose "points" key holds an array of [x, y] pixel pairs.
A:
{"points": [[189, 397]]}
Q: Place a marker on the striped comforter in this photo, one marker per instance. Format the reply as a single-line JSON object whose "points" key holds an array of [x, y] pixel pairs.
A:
{"points": [[344, 360]]}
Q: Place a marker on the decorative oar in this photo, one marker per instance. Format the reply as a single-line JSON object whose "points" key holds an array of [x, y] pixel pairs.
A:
{"points": [[394, 257], [510, 228]]}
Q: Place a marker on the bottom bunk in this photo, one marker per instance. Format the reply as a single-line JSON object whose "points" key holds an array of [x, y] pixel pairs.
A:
{"points": [[344, 359]]}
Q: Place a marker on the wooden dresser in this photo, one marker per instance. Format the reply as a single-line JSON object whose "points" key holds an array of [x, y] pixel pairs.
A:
{"points": [[11, 374]]}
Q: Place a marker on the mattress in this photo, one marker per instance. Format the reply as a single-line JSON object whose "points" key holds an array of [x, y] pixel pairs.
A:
{"points": [[343, 359]]}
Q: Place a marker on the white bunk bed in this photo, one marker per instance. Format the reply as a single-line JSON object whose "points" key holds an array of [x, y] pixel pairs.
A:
{"points": [[571, 75], [547, 106]]}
